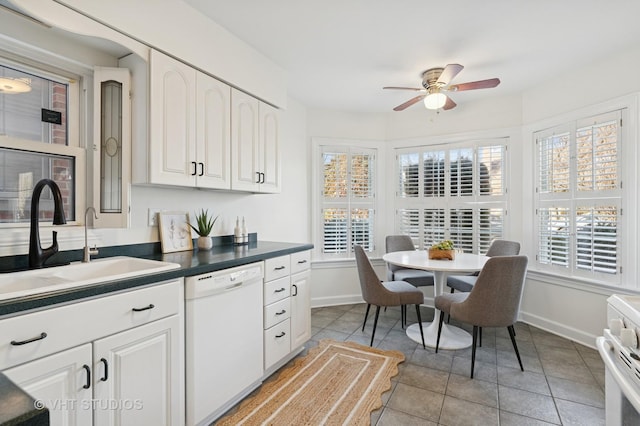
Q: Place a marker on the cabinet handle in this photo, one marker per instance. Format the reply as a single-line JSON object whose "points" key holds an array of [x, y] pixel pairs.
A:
{"points": [[258, 173], [282, 312], [300, 262], [151, 306], [262, 181], [201, 169], [280, 290], [24, 342], [195, 168], [295, 287], [279, 268], [280, 335], [88, 370], [106, 370]]}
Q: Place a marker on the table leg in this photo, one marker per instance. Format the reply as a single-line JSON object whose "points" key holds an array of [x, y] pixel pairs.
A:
{"points": [[452, 337]]}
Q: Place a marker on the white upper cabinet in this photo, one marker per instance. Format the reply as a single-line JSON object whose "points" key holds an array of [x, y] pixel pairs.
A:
{"points": [[172, 115], [189, 132], [213, 126], [255, 147]]}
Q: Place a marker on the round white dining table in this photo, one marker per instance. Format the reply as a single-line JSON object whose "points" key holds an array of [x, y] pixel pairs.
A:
{"points": [[451, 337]]}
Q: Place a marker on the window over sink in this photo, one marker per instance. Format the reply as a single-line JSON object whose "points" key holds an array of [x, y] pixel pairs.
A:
{"points": [[38, 118]]}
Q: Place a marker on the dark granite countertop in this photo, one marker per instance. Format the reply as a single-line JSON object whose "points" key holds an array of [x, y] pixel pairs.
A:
{"points": [[193, 262], [18, 408]]}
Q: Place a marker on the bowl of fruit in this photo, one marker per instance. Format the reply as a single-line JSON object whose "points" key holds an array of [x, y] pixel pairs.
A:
{"points": [[442, 250]]}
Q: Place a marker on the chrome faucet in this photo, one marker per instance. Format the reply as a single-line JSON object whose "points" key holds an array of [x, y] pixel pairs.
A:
{"points": [[87, 251], [38, 255]]}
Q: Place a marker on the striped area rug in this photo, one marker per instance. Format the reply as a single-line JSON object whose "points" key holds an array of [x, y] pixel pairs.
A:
{"points": [[336, 383]]}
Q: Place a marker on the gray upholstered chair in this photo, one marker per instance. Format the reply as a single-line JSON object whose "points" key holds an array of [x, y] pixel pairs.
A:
{"points": [[494, 300], [497, 248], [388, 293], [397, 273]]}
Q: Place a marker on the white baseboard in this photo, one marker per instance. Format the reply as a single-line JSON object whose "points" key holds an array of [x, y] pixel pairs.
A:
{"points": [[346, 299], [559, 329]]}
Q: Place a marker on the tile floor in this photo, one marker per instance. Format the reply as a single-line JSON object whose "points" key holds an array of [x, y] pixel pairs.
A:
{"points": [[563, 382]]}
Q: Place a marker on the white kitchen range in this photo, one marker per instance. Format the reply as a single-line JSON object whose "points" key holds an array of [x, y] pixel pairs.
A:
{"points": [[620, 352]]}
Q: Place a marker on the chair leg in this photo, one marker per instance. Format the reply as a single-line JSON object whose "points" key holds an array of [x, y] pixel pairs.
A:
{"points": [[480, 336], [420, 325], [403, 316], [375, 323], [366, 314], [512, 334], [439, 330], [473, 348]]}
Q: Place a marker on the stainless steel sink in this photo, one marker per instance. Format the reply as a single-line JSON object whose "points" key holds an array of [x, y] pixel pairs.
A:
{"points": [[20, 284]]}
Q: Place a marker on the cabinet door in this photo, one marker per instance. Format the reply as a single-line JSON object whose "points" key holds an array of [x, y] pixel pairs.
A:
{"points": [[172, 115], [62, 382], [270, 148], [137, 376], [213, 133], [300, 308], [244, 142]]}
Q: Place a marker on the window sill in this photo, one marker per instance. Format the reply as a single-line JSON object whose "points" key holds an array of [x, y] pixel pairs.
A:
{"points": [[580, 283]]}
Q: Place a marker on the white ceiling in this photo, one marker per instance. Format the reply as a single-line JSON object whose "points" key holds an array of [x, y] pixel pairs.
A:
{"points": [[338, 54]]}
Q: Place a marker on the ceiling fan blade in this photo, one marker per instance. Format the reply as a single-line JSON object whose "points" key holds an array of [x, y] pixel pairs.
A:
{"points": [[409, 103], [449, 104], [482, 84], [449, 73], [417, 89]]}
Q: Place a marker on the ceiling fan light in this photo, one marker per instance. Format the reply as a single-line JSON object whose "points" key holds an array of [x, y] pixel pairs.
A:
{"points": [[435, 100], [10, 85]]}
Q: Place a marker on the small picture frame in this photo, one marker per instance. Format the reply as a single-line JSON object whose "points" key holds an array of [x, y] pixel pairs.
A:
{"points": [[175, 233]]}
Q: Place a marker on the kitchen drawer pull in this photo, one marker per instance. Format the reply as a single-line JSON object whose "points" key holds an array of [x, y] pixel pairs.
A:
{"points": [[280, 290], [295, 287], [258, 173], [146, 308], [195, 168], [201, 169], [24, 342], [88, 370], [279, 268], [280, 335], [302, 261], [282, 312], [106, 370]]}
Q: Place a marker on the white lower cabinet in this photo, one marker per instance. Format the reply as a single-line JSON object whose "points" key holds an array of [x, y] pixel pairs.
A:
{"points": [[287, 310], [135, 377], [62, 382], [128, 372]]}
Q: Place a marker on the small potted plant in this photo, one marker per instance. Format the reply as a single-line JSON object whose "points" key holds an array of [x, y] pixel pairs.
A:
{"points": [[442, 250], [205, 225]]}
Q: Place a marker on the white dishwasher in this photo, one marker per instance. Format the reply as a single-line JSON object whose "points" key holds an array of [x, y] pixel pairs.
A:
{"points": [[224, 342]]}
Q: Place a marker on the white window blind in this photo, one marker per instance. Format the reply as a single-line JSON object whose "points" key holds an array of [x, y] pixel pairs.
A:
{"points": [[457, 193], [579, 198], [348, 200]]}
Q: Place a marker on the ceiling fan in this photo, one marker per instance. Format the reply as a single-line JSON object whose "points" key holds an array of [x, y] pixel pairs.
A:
{"points": [[435, 81]]}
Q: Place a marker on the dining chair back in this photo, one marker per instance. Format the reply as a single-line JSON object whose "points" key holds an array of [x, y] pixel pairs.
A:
{"points": [[415, 277], [497, 248], [388, 293], [494, 300]]}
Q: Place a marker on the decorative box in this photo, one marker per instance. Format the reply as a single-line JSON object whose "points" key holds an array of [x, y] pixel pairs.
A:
{"points": [[442, 254]]}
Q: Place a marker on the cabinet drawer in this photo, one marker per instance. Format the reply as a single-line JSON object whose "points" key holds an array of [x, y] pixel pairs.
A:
{"points": [[277, 290], [277, 267], [300, 261], [277, 312], [277, 343], [60, 328]]}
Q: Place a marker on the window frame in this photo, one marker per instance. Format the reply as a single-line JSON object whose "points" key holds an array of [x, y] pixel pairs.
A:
{"points": [[354, 147], [76, 104], [573, 199], [450, 202]]}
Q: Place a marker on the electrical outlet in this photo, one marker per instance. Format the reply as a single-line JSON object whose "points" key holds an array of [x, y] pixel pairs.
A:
{"points": [[153, 217]]}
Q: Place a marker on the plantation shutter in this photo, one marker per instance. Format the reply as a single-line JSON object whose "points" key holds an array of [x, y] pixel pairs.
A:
{"points": [[348, 214]]}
